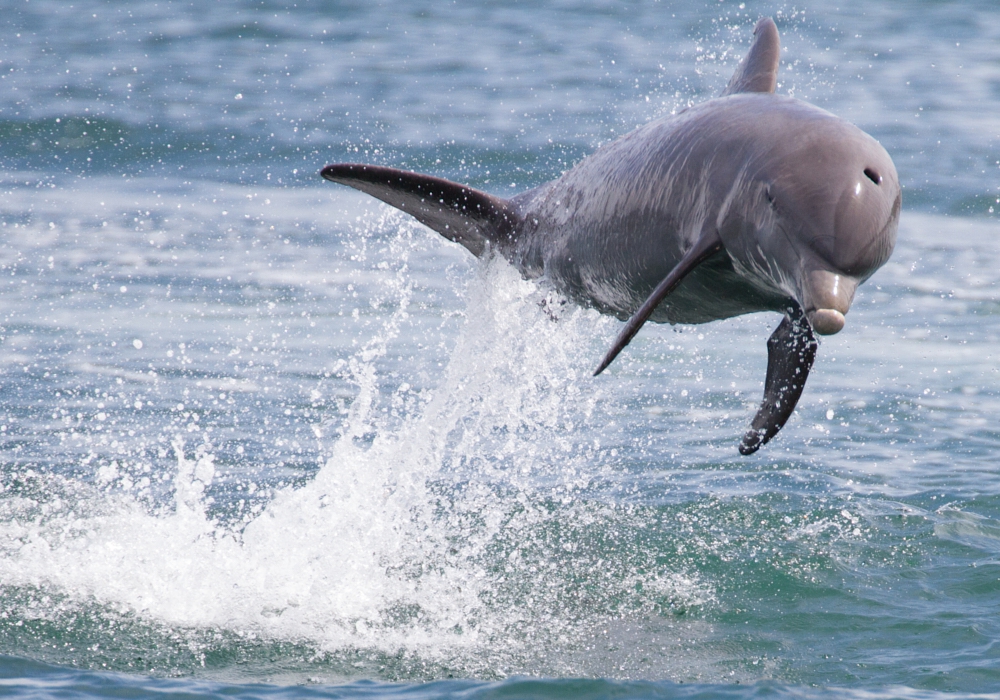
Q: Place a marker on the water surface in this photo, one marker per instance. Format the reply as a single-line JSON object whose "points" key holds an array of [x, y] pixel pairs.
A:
{"points": [[259, 432]]}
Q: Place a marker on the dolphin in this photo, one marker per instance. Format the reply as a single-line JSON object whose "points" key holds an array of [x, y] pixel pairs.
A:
{"points": [[748, 202]]}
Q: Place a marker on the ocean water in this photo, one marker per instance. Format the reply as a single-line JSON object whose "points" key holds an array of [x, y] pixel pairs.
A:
{"points": [[262, 436]]}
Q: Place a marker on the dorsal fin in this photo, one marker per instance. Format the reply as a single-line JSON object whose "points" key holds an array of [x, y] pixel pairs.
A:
{"points": [[758, 72], [457, 212]]}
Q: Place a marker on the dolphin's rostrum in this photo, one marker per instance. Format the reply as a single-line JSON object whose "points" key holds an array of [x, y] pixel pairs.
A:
{"points": [[748, 202]]}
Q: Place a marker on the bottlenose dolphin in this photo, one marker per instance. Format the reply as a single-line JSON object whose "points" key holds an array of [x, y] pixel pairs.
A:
{"points": [[748, 202]]}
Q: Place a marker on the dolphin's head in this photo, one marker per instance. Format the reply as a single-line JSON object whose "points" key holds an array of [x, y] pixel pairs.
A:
{"points": [[826, 199]]}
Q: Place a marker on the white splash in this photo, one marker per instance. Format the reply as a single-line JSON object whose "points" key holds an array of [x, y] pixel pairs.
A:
{"points": [[426, 529]]}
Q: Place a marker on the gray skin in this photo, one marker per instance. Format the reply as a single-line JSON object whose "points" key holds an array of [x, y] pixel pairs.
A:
{"points": [[748, 202]]}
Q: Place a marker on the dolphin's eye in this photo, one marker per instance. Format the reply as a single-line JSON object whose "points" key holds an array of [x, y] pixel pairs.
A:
{"points": [[770, 197], [873, 176]]}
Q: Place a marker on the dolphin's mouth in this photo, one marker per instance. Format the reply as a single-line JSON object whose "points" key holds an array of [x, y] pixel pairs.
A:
{"points": [[827, 297], [826, 321]]}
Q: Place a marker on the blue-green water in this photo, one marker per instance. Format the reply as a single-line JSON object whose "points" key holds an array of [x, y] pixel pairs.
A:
{"points": [[261, 436]]}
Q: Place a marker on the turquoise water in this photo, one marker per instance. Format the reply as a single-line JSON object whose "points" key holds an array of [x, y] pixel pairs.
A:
{"points": [[262, 436]]}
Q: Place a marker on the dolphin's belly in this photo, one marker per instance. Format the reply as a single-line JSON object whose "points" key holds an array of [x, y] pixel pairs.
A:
{"points": [[713, 291]]}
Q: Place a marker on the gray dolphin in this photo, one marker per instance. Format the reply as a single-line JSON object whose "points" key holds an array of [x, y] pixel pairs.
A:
{"points": [[748, 202]]}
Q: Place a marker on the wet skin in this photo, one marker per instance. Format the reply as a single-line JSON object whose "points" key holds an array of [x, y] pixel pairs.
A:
{"points": [[748, 202]]}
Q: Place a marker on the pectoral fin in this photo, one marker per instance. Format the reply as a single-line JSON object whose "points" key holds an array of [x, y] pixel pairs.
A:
{"points": [[791, 350], [708, 245]]}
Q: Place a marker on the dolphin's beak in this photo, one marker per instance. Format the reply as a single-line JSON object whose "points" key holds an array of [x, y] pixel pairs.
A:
{"points": [[826, 321], [828, 297]]}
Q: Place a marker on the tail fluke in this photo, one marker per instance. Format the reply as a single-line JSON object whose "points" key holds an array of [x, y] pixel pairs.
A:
{"points": [[459, 213]]}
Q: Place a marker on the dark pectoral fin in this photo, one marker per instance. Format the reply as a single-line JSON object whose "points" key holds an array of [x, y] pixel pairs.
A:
{"points": [[791, 350], [457, 212], [707, 246]]}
